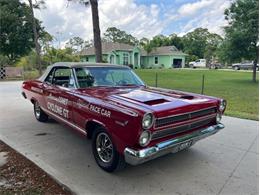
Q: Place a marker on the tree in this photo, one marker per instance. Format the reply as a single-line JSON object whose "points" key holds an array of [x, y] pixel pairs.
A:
{"points": [[45, 40], [116, 35], [195, 42], [213, 43], [16, 36], [75, 43], [96, 28], [56, 55], [176, 41], [242, 31], [37, 5]]}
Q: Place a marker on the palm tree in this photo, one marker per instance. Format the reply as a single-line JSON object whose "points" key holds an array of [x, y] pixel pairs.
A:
{"points": [[96, 29]]}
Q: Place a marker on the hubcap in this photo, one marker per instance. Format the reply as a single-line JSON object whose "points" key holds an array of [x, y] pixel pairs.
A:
{"points": [[37, 109], [104, 147]]}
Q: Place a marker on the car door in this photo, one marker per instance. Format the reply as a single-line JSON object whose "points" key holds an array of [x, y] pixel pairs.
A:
{"points": [[59, 94]]}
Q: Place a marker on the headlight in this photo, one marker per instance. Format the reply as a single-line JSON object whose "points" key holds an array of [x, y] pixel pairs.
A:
{"points": [[222, 105], [147, 121], [218, 117], [145, 138]]}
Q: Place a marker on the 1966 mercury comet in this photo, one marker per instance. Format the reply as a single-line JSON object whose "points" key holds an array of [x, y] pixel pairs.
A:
{"points": [[126, 120]]}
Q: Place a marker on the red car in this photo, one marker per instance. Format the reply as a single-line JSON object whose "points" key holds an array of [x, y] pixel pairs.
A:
{"points": [[126, 120]]}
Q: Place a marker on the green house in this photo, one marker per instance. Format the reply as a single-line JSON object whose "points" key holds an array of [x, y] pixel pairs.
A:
{"points": [[124, 54]]}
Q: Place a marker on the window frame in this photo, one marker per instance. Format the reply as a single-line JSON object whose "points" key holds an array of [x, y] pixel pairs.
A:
{"points": [[125, 53], [52, 72], [156, 57]]}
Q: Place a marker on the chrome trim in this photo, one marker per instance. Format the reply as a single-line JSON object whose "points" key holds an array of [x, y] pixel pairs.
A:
{"points": [[153, 121], [149, 140], [135, 157], [65, 121], [185, 122], [185, 113]]}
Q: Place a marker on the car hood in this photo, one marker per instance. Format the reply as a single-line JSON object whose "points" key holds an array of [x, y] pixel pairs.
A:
{"points": [[147, 99]]}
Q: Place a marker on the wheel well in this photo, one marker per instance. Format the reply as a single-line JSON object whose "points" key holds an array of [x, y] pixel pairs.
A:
{"points": [[90, 128]]}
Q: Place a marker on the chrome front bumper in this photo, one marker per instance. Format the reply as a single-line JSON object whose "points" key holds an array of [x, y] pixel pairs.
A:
{"points": [[135, 157]]}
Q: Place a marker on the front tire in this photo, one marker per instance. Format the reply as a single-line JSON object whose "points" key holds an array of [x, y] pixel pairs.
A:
{"points": [[236, 68], [38, 113], [105, 152]]}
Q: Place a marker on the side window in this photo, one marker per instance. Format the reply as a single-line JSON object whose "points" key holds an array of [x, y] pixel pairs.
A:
{"points": [[63, 77]]}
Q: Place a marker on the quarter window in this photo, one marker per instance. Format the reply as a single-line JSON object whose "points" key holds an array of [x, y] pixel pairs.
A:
{"points": [[125, 59]]}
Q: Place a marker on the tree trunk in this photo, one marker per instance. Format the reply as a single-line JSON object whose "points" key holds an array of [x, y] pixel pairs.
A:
{"points": [[254, 70], [96, 30], [35, 34]]}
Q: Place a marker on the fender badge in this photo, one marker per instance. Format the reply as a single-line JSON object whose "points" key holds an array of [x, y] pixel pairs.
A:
{"points": [[122, 123]]}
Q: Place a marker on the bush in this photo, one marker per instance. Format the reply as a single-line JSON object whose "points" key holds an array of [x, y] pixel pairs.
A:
{"points": [[29, 75], [4, 60]]}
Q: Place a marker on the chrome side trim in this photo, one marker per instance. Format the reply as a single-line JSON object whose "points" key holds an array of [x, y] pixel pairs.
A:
{"points": [[135, 157], [65, 121]]}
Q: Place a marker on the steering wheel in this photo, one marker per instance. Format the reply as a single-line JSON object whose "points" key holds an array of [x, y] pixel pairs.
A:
{"points": [[122, 82]]}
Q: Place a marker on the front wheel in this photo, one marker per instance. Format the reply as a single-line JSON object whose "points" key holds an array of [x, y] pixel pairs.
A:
{"points": [[105, 152], [38, 113], [236, 68]]}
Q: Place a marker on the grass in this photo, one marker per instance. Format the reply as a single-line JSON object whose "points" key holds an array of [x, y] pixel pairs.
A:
{"points": [[236, 87]]}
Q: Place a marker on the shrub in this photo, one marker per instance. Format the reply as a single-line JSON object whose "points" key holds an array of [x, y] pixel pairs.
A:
{"points": [[29, 75]]}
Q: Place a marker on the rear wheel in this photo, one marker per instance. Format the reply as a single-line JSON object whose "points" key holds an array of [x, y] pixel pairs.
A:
{"points": [[38, 113], [105, 152]]}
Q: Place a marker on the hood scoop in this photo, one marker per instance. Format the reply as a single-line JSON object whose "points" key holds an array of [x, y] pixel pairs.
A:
{"points": [[187, 97], [155, 102]]}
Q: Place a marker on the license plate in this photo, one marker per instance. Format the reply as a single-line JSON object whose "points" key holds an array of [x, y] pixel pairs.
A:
{"points": [[184, 145]]}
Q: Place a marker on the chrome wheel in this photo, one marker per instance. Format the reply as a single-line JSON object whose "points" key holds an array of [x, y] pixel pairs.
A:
{"points": [[37, 110], [104, 147]]}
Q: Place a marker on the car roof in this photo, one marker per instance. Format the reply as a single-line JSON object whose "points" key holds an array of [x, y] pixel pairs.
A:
{"points": [[77, 65], [84, 64]]}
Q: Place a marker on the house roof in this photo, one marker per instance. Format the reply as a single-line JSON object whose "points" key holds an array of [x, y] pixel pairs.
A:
{"points": [[108, 47], [164, 50]]}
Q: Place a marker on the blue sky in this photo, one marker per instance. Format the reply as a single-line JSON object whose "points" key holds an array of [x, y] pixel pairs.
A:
{"points": [[142, 18]]}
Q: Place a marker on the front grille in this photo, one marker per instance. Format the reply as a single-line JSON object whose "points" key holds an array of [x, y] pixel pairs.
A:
{"points": [[183, 117], [181, 129]]}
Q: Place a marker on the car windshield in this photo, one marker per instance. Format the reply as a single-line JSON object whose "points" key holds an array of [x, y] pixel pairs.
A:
{"points": [[106, 76]]}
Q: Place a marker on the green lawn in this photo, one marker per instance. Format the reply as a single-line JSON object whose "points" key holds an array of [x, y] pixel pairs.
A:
{"points": [[236, 87]]}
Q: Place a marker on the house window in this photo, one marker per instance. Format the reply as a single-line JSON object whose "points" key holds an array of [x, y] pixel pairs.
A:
{"points": [[125, 59], [86, 59], [156, 60]]}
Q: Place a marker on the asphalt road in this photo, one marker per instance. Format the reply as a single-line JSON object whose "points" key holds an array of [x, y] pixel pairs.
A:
{"points": [[226, 163]]}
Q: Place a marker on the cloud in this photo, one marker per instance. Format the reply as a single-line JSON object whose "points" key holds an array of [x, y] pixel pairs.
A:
{"points": [[189, 9], [205, 14], [65, 20]]}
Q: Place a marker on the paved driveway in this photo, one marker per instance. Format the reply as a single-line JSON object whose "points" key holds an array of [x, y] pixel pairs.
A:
{"points": [[226, 163]]}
